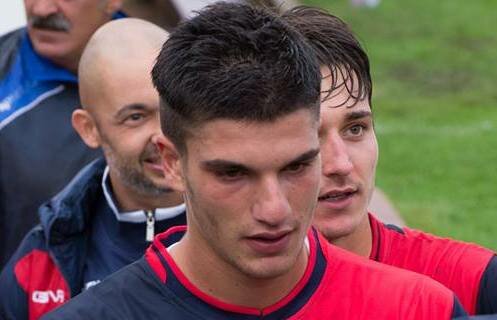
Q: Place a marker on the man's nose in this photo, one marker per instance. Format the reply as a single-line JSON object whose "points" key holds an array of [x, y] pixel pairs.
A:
{"points": [[335, 157], [43, 8], [271, 206]]}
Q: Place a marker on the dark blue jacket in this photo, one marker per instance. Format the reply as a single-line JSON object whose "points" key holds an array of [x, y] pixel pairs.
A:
{"points": [[49, 266], [39, 150]]}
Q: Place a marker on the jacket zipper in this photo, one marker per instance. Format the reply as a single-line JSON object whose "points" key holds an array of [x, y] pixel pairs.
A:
{"points": [[150, 229]]}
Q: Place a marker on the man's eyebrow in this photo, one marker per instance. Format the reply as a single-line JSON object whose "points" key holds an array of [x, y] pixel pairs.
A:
{"points": [[354, 115], [219, 165], [131, 107], [306, 156]]}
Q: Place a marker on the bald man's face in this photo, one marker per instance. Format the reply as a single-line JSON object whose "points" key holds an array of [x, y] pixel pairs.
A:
{"points": [[126, 112]]}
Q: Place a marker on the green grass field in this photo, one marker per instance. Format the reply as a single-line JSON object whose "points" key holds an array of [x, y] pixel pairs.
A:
{"points": [[434, 66]]}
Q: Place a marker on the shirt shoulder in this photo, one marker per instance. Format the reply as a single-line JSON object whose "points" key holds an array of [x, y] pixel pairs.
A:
{"points": [[134, 292], [487, 296], [355, 287], [455, 264], [9, 47]]}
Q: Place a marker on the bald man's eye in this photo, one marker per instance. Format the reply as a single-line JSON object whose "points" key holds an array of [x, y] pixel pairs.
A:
{"points": [[134, 118]]}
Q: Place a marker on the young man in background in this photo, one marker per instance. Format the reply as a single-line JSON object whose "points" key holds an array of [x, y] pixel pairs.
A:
{"points": [[349, 153]]}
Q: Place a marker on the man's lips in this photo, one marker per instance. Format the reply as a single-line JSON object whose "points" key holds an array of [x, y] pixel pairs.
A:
{"points": [[336, 194], [154, 162], [337, 198], [269, 243]]}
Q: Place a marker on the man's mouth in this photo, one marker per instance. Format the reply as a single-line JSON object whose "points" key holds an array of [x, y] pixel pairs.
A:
{"points": [[336, 195], [338, 198], [268, 243], [153, 160]]}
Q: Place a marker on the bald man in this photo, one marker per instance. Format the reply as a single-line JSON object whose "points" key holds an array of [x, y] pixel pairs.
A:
{"points": [[105, 218]]}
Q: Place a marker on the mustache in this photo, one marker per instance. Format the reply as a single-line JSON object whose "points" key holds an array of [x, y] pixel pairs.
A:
{"points": [[54, 22]]}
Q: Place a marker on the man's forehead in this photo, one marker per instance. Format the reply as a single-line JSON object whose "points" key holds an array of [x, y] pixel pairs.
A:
{"points": [[254, 142], [332, 114], [281, 125]]}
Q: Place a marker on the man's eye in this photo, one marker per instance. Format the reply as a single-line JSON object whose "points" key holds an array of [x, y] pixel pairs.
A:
{"points": [[135, 117], [356, 130], [230, 175], [296, 167]]}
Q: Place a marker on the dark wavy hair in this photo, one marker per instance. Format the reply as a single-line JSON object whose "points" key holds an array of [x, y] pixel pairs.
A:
{"points": [[337, 48], [233, 61]]}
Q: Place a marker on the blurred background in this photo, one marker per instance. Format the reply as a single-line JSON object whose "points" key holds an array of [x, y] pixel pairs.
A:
{"points": [[11, 15], [435, 103]]}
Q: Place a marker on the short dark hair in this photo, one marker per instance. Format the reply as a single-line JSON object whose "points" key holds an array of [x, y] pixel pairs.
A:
{"points": [[233, 61], [336, 47]]}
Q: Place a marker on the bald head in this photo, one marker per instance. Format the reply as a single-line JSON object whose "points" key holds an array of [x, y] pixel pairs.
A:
{"points": [[122, 47]]}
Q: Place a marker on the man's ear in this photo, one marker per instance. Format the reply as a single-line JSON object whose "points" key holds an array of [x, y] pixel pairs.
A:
{"points": [[171, 162], [111, 6], [85, 126]]}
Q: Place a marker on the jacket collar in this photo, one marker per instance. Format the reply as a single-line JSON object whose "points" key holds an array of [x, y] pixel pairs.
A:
{"points": [[68, 212]]}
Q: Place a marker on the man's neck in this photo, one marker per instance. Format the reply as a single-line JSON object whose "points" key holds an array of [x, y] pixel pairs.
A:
{"points": [[206, 271], [69, 63], [360, 241]]}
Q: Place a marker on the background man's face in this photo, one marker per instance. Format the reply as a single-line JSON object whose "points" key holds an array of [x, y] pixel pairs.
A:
{"points": [[251, 190], [127, 117], [349, 154], [60, 29]]}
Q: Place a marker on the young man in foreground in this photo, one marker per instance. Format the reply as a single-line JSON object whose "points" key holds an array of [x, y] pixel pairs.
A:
{"points": [[349, 155], [240, 96]]}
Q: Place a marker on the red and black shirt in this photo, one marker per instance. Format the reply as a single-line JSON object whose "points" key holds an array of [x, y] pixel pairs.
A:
{"points": [[469, 270], [336, 285]]}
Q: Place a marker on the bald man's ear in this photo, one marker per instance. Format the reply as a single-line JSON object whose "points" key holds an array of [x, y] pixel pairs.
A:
{"points": [[111, 6], [85, 126], [171, 163]]}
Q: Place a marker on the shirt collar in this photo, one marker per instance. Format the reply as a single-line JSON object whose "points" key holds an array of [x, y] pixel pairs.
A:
{"points": [[136, 216]]}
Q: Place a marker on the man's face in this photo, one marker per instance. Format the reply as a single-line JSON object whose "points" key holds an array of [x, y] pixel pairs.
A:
{"points": [[127, 117], [60, 29], [349, 154], [251, 190]]}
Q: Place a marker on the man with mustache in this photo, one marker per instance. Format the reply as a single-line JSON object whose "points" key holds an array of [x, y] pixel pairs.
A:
{"points": [[109, 213], [39, 150], [349, 153]]}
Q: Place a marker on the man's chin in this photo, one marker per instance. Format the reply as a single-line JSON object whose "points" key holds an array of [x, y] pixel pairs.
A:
{"points": [[51, 47], [336, 226]]}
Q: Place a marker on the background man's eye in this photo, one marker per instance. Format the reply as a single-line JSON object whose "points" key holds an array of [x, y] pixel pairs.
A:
{"points": [[356, 130]]}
